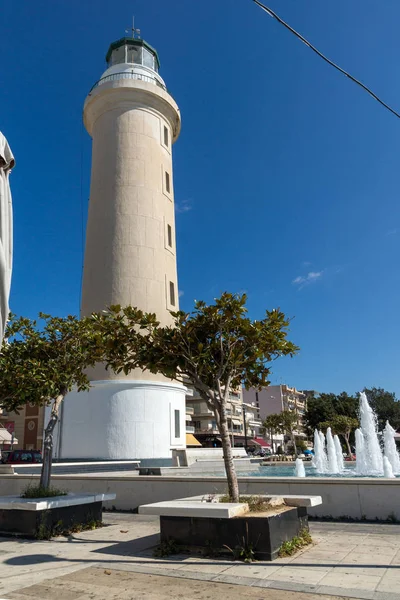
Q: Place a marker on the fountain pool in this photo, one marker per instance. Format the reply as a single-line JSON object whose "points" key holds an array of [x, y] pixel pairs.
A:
{"points": [[349, 472]]}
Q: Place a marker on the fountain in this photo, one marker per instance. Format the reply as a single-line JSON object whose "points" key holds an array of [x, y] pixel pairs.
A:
{"points": [[320, 459], [339, 453], [370, 459], [390, 448], [331, 449], [387, 468], [371, 453], [300, 470]]}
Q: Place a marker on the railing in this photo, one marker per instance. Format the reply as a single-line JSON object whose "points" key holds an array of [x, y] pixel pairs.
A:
{"points": [[127, 75], [190, 429], [189, 410], [203, 413]]}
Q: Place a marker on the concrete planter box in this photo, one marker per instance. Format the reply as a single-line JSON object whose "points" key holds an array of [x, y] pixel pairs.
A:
{"points": [[39, 518], [195, 524], [264, 534]]}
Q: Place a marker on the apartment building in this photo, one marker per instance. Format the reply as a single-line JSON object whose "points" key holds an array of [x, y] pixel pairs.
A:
{"points": [[201, 422], [26, 427], [274, 399]]}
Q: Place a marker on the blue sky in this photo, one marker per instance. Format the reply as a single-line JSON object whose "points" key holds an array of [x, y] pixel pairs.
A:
{"points": [[286, 174]]}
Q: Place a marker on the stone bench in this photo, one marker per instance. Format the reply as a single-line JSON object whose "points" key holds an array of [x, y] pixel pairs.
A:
{"points": [[200, 521], [198, 506]]}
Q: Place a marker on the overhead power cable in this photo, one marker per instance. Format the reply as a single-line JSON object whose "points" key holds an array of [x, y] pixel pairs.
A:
{"points": [[314, 49]]}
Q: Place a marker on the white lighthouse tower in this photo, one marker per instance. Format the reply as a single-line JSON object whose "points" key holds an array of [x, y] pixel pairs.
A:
{"points": [[130, 256]]}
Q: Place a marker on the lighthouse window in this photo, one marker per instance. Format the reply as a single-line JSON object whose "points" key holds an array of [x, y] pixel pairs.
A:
{"points": [[169, 231], [134, 55], [167, 182], [148, 59], [171, 293], [166, 136]]}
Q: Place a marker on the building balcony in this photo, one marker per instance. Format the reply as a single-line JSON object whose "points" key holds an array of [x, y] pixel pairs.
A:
{"points": [[189, 410], [190, 429], [254, 422], [211, 431], [202, 414]]}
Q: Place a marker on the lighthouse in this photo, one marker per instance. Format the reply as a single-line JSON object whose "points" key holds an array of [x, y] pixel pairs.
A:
{"points": [[130, 256]]}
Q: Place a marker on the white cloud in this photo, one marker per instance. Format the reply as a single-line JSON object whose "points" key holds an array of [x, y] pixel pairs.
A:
{"points": [[306, 263], [180, 293], [184, 206], [303, 280], [392, 232]]}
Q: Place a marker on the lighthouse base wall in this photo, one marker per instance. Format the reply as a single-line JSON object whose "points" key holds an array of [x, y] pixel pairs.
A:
{"points": [[121, 419]]}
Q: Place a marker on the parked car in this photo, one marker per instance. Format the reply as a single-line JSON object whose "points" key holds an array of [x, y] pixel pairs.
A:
{"points": [[21, 457]]}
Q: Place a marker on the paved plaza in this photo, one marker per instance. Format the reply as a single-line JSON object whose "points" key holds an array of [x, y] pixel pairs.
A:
{"points": [[116, 561]]}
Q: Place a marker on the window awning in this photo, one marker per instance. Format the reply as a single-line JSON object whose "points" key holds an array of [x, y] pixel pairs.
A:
{"points": [[236, 421], [191, 440], [6, 437], [261, 442]]}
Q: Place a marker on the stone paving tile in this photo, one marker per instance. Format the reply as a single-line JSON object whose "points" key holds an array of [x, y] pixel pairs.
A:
{"points": [[370, 570], [375, 560], [325, 554], [388, 550], [396, 558], [260, 571], [288, 586], [351, 581], [390, 582], [356, 593], [235, 580], [299, 575], [206, 567]]}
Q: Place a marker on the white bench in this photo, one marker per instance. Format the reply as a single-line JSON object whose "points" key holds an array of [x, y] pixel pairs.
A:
{"points": [[198, 506]]}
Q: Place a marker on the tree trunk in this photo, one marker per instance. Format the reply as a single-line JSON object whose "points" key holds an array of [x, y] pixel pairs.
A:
{"points": [[45, 475], [233, 486], [272, 441], [294, 443], [346, 438]]}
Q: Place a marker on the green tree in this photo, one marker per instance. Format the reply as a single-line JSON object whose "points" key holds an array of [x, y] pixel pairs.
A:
{"points": [[216, 346], [272, 424], [346, 405], [385, 405], [342, 425], [319, 409], [42, 364], [289, 425]]}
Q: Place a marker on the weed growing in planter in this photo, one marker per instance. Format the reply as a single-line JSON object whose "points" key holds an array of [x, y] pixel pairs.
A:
{"points": [[255, 503], [299, 541], [38, 491], [46, 532], [246, 553], [166, 549], [245, 550]]}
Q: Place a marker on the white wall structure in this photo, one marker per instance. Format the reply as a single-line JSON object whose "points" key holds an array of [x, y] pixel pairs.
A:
{"points": [[130, 256]]}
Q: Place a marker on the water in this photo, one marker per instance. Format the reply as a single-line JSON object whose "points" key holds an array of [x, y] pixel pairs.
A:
{"points": [[387, 468], [299, 469], [287, 470], [331, 451], [371, 450], [320, 459], [371, 459], [390, 450], [339, 453]]}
